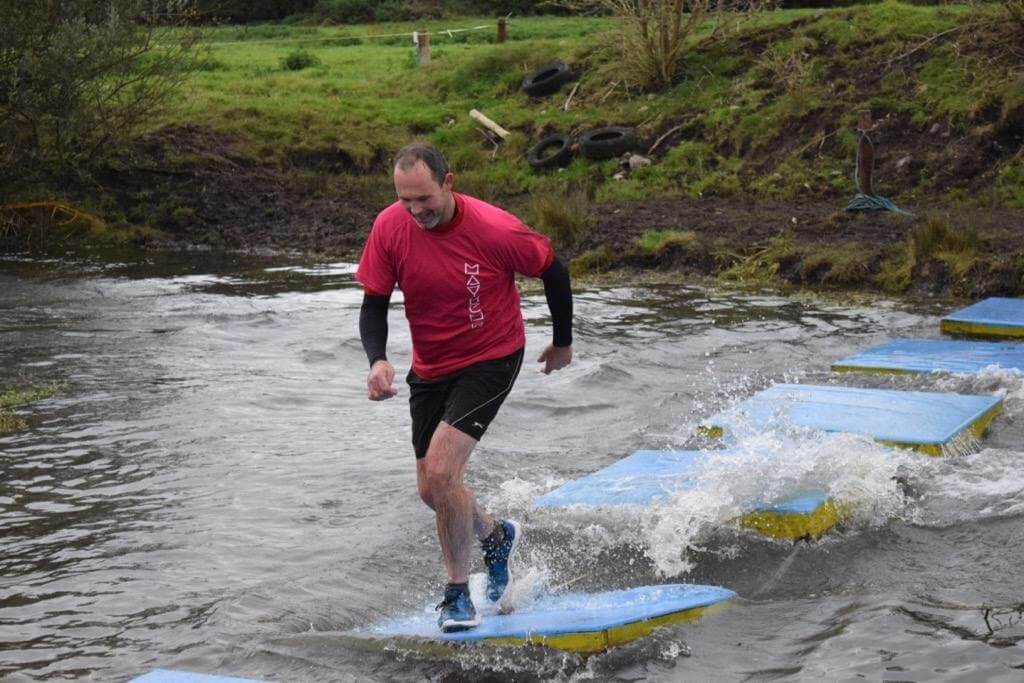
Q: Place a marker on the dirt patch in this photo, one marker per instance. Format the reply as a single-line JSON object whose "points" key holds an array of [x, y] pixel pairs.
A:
{"points": [[196, 187]]}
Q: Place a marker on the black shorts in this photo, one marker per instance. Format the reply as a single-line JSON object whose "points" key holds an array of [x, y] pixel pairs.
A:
{"points": [[467, 400]]}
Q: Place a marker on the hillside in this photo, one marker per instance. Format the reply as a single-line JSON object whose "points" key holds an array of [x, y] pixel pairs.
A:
{"points": [[753, 163]]}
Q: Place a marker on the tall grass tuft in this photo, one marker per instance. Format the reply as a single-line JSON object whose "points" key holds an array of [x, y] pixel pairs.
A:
{"points": [[935, 236], [297, 60], [565, 218]]}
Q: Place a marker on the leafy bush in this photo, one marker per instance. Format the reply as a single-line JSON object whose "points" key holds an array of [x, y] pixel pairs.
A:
{"points": [[79, 76], [653, 36], [297, 60]]}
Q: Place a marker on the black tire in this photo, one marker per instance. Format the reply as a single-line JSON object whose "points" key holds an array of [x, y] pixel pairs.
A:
{"points": [[607, 142], [541, 155], [547, 79]]}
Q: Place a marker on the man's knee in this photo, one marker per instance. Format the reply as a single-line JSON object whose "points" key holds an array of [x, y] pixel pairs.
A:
{"points": [[426, 494], [439, 479]]}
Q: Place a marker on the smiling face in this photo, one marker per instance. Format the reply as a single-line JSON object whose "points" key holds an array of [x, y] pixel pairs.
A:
{"points": [[429, 203]]}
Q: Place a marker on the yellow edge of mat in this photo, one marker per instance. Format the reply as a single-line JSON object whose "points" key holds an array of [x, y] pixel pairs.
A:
{"points": [[872, 371], [711, 431], [795, 525], [976, 428], [598, 641], [981, 329]]}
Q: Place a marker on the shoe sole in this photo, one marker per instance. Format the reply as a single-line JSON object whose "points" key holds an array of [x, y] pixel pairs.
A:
{"points": [[452, 626], [511, 556]]}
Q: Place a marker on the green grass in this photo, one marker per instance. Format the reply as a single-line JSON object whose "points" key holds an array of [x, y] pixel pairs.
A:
{"points": [[657, 240], [932, 239], [15, 397], [769, 111]]}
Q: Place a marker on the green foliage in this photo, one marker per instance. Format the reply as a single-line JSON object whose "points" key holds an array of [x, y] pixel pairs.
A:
{"points": [[593, 261], [79, 76], [562, 216], [14, 397], [657, 240], [847, 265], [762, 264], [931, 239], [654, 37], [1009, 185], [297, 60], [250, 10]]}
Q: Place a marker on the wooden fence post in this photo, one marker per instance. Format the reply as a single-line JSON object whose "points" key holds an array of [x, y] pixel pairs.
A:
{"points": [[423, 46], [865, 153], [502, 32]]}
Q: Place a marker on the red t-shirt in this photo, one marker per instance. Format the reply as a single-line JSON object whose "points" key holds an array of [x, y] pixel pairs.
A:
{"points": [[459, 283]]}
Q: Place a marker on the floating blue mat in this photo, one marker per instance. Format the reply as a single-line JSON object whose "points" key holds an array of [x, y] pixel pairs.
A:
{"points": [[647, 477], [932, 355], [995, 317], [920, 420], [168, 676], [582, 622]]}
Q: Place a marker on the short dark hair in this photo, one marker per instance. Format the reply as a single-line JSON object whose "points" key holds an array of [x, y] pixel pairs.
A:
{"points": [[407, 157]]}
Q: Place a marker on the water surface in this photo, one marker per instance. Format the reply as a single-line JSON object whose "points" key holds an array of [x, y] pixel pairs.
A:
{"points": [[213, 492]]}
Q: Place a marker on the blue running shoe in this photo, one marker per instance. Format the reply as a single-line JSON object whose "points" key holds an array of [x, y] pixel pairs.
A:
{"points": [[499, 558], [457, 611]]}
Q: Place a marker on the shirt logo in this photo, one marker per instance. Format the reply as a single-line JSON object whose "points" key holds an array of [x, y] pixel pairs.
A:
{"points": [[476, 312]]}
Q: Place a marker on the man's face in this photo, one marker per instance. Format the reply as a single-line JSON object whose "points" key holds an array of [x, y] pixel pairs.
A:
{"points": [[428, 203]]}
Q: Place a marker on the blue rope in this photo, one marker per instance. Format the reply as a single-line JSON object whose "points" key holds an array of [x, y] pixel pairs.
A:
{"points": [[870, 202]]}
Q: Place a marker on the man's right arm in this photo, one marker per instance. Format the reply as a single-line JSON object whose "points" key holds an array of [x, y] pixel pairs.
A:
{"points": [[373, 331]]}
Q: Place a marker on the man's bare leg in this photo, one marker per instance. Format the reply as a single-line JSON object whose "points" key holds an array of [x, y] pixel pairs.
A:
{"points": [[459, 517]]}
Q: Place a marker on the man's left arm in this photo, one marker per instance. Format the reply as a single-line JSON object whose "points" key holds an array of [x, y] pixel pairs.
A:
{"points": [[558, 292]]}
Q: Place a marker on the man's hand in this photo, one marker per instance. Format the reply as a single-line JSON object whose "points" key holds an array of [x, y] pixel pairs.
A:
{"points": [[555, 358], [378, 382]]}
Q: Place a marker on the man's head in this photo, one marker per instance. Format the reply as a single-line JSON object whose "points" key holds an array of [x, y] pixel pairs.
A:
{"points": [[423, 183]]}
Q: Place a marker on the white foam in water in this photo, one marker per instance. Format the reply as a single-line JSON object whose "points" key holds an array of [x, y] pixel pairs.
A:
{"points": [[773, 467], [766, 467], [987, 484], [991, 380], [342, 268]]}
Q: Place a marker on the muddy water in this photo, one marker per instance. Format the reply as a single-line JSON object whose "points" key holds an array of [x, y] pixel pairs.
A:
{"points": [[213, 492]]}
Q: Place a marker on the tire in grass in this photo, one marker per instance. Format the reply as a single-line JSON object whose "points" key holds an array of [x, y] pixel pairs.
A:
{"points": [[553, 151], [547, 79], [607, 142]]}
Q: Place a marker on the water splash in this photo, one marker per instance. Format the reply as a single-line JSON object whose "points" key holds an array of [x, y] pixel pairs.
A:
{"points": [[772, 467], [987, 484]]}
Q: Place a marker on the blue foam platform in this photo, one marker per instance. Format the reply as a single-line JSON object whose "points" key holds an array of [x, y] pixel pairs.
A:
{"points": [[933, 355], [921, 420], [585, 622], [994, 317], [169, 676], [647, 477]]}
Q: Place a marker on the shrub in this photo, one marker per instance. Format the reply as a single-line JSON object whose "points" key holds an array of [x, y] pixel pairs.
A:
{"points": [[653, 35], [79, 76], [297, 60]]}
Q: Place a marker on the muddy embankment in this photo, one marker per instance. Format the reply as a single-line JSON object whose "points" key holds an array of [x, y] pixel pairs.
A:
{"points": [[191, 187]]}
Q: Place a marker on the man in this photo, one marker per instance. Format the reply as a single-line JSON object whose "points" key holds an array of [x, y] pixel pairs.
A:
{"points": [[455, 259]]}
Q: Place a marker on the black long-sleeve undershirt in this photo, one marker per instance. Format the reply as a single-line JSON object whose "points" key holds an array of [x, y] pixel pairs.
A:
{"points": [[373, 326], [558, 292], [373, 314]]}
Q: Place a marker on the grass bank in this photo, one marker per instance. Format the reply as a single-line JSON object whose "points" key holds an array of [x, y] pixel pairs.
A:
{"points": [[283, 140]]}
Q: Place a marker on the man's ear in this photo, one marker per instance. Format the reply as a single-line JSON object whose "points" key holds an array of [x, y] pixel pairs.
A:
{"points": [[449, 182]]}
